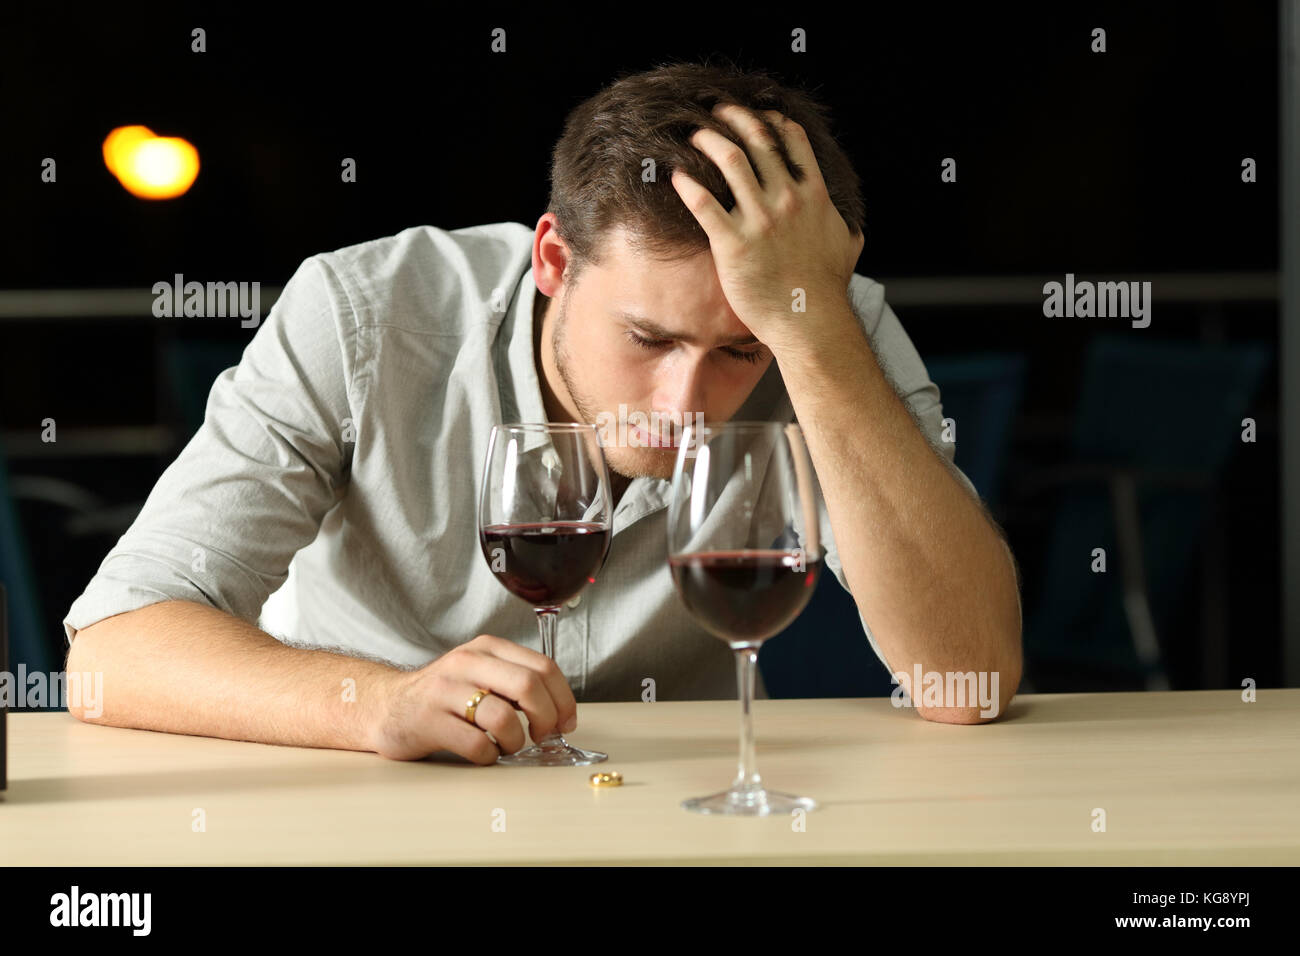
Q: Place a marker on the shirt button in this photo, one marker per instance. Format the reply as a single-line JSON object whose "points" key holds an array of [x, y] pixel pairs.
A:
{"points": [[575, 602]]}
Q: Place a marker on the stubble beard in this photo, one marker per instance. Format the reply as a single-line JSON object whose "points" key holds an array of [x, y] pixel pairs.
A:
{"points": [[626, 461]]}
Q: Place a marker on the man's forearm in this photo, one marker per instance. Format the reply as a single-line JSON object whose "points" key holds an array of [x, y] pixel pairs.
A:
{"points": [[187, 668], [933, 578]]}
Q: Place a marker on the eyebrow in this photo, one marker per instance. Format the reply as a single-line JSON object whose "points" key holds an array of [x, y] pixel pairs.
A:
{"points": [[650, 328]]}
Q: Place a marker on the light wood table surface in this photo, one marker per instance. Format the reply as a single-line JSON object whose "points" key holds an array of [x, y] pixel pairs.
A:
{"points": [[1192, 777]]}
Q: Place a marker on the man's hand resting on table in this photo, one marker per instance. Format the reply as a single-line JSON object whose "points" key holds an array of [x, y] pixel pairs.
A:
{"points": [[186, 668], [424, 710]]}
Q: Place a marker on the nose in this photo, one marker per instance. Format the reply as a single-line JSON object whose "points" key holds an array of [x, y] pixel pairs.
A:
{"points": [[681, 386]]}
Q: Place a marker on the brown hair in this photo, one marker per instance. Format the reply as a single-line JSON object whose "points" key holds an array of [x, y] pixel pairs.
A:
{"points": [[596, 169]]}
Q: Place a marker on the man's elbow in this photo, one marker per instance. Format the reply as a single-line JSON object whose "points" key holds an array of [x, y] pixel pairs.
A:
{"points": [[83, 659], [978, 701], [986, 697]]}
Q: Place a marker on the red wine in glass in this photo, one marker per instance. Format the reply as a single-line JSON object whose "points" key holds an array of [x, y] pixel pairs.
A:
{"points": [[745, 596], [544, 526], [545, 563], [745, 554]]}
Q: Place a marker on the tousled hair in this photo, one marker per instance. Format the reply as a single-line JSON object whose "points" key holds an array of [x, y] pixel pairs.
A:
{"points": [[597, 164]]}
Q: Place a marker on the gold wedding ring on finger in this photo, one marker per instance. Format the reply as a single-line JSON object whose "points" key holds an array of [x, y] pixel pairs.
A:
{"points": [[471, 706]]}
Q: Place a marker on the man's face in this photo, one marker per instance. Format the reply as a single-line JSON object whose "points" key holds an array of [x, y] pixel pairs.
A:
{"points": [[656, 337]]}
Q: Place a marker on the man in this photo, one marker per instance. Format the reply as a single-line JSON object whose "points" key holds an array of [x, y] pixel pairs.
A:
{"points": [[346, 448]]}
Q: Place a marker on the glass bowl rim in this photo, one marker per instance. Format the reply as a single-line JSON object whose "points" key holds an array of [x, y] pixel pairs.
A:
{"points": [[748, 425], [543, 426]]}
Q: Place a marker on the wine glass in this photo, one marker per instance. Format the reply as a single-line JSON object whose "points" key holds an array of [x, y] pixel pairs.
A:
{"points": [[544, 528], [745, 554]]}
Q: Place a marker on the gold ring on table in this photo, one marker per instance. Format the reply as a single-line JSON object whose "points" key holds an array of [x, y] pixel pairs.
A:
{"points": [[472, 704]]}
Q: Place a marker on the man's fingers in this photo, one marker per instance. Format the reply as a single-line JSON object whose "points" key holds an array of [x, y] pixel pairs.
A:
{"points": [[764, 148], [734, 163], [516, 682], [713, 219], [561, 693], [493, 714], [453, 733], [797, 145]]}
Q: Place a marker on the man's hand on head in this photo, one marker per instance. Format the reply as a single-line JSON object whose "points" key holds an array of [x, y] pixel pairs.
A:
{"points": [[782, 237]]}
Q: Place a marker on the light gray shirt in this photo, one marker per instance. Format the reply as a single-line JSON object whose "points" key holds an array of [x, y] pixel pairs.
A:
{"points": [[331, 493]]}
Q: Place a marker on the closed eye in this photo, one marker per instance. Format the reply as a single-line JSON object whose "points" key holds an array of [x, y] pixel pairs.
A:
{"points": [[646, 343], [737, 354]]}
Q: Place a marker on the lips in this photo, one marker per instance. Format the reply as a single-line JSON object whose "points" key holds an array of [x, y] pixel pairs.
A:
{"points": [[664, 441]]}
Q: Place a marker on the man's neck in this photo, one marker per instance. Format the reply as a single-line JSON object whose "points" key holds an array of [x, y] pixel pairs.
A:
{"points": [[617, 485]]}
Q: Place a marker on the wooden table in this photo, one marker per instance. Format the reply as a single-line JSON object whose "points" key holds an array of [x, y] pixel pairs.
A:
{"points": [[1193, 777]]}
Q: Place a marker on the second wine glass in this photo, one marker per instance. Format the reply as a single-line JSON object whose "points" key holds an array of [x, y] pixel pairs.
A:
{"points": [[745, 553]]}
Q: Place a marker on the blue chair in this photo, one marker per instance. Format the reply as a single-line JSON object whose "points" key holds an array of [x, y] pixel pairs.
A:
{"points": [[1155, 426], [28, 641], [191, 366], [981, 394]]}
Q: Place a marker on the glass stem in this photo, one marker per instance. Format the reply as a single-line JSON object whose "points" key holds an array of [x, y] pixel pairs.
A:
{"points": [[548, 619], [747, 780]]}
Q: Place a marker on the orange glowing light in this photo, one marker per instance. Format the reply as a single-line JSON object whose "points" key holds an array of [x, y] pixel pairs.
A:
{"points": [[149, 166]]}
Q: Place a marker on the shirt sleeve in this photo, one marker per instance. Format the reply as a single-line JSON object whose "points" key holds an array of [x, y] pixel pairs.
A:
{"points": [[254, 483], [903, 367]]}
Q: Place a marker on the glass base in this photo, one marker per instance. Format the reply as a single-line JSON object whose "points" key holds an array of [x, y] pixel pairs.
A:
{"points": [[749, 803], [554, 751]]}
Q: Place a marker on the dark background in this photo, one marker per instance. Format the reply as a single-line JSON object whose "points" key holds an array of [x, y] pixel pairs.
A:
{"points": [[1122, 165]]}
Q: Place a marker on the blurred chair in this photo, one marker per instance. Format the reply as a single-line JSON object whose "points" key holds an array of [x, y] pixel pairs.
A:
{"points": [[824, 652], [85, 516], [1155, 426], [981, 394], [28, 643], [192, 365]]}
